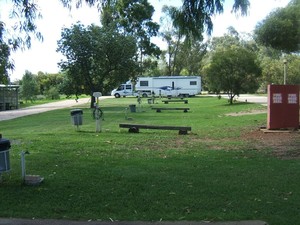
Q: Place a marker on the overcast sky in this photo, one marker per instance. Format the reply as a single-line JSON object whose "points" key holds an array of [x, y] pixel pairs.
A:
{"points": [[43, 56]]}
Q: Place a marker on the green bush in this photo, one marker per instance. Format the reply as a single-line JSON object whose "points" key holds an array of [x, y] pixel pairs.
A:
{"points": [[52, 93]]}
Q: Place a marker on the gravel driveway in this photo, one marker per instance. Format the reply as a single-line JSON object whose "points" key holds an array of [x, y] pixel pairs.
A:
{"points": [[12, 114]]}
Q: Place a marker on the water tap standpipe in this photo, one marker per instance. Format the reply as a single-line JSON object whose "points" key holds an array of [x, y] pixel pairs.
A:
{"points": [[98, 112], [23, 164]]}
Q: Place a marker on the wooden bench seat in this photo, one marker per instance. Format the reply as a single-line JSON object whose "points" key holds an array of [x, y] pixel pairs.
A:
{"points": [[175, 100], [134, 128], [159, 109]]}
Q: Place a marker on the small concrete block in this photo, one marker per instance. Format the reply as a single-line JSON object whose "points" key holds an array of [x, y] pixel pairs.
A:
{"points": [[33, 180]]}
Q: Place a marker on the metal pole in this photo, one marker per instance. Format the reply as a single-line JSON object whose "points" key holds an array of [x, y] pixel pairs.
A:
{"points": [[284, 71], [23, 165], [98, 115]]}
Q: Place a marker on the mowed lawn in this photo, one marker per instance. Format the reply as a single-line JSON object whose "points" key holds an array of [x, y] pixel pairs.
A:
{"points": [[218, 172]]}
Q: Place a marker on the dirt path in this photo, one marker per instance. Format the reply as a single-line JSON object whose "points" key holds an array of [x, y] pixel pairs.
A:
{"points": [[12, 114]]}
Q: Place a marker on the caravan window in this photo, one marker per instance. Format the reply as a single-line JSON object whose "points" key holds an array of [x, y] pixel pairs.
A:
{"points": [[144, 83], [193, 82], [128, 87]]}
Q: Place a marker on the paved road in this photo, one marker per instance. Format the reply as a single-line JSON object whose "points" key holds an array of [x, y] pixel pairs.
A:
{"points": [[12, 114], [253, 98], [249, 98]]}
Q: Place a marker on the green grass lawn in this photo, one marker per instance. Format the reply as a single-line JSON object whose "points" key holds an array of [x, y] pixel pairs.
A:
{"points": [[215, 173]]}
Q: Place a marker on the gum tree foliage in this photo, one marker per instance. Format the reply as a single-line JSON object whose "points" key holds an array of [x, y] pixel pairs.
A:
{"points": [[133, 17], [234, 70], [181, 57], [5, 63], [96, 58], [193, 18], [173, 39], [189, 57], [281, 29], [272, 70], [29, 87], [47, 81], [232, 65], [24, 14]]}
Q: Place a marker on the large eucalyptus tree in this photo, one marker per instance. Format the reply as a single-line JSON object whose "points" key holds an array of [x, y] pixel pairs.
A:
{"points": [[96, 58], [192, 19]]}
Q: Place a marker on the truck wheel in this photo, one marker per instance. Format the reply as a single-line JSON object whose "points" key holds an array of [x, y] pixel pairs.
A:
{"points": [[117, 95], [144, 95]]}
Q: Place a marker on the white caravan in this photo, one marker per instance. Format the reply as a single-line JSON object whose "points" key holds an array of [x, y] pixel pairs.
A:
{"points": [[171, 86], [174, 86]]}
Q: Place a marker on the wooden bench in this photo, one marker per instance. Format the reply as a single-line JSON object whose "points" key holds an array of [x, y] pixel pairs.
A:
{"points": [[175, 100], [158, 109], [134, 128]]}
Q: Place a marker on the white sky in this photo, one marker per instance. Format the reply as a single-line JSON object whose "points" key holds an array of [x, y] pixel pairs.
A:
{"points": [[43, 56]]}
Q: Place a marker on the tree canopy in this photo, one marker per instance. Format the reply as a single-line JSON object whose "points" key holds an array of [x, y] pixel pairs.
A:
{"points": [[192, 19], [133, 18], [195, 16], [96, 58], [232, 66], [281, 28], [29, 87]]}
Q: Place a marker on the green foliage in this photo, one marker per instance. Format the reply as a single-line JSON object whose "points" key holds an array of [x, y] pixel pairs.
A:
{"points": [[281, 28], [52, 93], [173, 39], [96, 59], [272, 64], [190, 56], [47, 81], [194, 17], [5, 63], [29, 87], [23, 15], [150, 66], [25, 12], [293, 69], [233, 70], [135, 19]]}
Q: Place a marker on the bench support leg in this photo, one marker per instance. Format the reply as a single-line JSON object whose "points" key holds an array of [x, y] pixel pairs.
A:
{"points": [[182, 132], [133, 130]]}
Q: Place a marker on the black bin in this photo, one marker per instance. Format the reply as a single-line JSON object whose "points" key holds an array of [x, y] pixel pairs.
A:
{"points": [[4, 155], [132, 108], [76, 116]]}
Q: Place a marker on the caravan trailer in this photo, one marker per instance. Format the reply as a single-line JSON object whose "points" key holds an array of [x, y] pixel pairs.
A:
{"points": [[171, 86]]}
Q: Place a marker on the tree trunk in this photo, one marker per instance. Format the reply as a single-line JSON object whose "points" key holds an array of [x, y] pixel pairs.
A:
{"points": [[93, 100]]}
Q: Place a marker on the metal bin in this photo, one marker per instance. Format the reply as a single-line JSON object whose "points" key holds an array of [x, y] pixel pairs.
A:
{"points": [[76, 116], [132, 108], [4, 155]]}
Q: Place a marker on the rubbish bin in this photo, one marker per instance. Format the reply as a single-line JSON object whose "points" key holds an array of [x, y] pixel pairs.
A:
{"points": [[76, 116], [4, 155], [132, 108]]}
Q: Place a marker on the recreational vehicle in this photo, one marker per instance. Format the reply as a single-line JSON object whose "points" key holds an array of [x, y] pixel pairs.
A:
{"points": [[170, 86]]}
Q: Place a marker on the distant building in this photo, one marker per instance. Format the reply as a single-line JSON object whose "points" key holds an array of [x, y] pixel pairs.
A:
{"points": [[9, 97]]}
